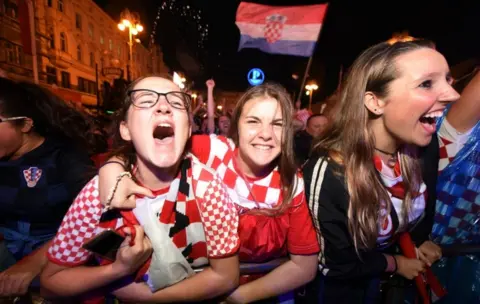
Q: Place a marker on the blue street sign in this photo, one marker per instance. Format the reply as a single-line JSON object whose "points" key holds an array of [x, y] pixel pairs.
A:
{"points": [[255, 77]]}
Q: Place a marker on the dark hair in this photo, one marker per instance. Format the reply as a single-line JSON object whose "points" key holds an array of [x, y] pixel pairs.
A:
{"points": [[351, 143], [121, 148], [286, 160], [51, 116]]}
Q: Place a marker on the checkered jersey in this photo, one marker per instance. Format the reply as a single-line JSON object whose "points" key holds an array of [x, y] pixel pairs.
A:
{"points": [[202, 223], [450, 142], [392, 179], [217, 152], [261, 237]]}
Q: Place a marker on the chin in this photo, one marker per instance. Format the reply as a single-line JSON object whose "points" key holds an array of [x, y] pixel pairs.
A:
{"points": [[423, 142]]}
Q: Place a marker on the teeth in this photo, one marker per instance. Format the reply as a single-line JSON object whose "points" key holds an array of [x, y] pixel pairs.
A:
{"points": [[434, 114], [261, 147], [167, 125]]}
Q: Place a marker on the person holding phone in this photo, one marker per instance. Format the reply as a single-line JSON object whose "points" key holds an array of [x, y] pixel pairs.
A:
{"points": [[187, 200]]}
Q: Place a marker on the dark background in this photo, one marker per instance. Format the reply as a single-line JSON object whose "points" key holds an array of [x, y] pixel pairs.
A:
{"points": [[200, 39]]}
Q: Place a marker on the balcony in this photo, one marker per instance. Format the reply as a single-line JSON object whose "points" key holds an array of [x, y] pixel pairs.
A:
{"points": [[60, 59]]}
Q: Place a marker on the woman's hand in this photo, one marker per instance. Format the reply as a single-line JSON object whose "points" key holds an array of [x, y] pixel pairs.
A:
{"points": [[409, 268], [15, 280], [429, 252], [127, 189], [131, 258]]}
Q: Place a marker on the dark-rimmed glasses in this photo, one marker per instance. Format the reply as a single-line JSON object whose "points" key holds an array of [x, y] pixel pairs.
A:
{"points": [[12, 118], [144, 98]]}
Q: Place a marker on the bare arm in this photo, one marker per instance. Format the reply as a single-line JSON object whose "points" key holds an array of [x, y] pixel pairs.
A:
{"points": [[64, 281], [211, 106], [288, 276], [219, 279], [465, 113]]}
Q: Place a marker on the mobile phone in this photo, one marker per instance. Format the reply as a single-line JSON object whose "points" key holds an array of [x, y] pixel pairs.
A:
{"points": [[105, 244]]}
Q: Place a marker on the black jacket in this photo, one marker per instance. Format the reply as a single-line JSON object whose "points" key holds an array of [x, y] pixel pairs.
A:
{"points": [[346, 276]]}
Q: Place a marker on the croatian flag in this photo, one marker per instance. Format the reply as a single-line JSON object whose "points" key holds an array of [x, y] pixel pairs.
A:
{"points": [[288, 30]]}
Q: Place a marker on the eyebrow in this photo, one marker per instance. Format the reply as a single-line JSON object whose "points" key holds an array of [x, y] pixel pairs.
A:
{"points": [[256, 118]]}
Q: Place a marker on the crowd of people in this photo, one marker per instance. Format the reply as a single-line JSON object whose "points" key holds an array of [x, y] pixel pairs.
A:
{"points": [[356, 204]]}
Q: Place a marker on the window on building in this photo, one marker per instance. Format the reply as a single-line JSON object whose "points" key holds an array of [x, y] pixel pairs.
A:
{"points": [[14, 53], [102, 41], [90, 30], [63, 42], [51, 75], [60, 5], [10, 8], [79, 53], [110, 44], [52, 41], [65, 79], [87, 86], [92, 59], [50, 3], [78, 21], [119, 52]]}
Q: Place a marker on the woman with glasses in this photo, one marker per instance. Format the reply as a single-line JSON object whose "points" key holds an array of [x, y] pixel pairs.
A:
{"points": [[257, 165], [44, 162], [188, 216]]}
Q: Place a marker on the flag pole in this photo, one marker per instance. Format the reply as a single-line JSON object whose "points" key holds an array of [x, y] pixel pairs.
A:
{"points": [[309, 63]]}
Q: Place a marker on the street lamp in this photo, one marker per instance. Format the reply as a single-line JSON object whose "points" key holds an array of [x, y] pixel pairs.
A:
{"points": [[310, 88], [130, 21]]}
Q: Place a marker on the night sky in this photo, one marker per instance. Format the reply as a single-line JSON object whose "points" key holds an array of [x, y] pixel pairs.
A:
{"points": [[199, 37]]}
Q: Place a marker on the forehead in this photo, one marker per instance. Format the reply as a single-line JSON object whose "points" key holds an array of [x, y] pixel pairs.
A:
{"points": [[223, 118], [156, 84], [262, 107], [318, 120], [421, 63]]}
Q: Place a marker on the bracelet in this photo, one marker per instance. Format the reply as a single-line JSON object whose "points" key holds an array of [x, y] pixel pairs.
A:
{"points": [[112, 162], [396, 264], [114, 189]]}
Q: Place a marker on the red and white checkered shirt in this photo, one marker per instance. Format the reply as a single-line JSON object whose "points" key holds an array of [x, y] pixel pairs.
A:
{"points": [[450, 143], [211, 230], [295, 228]]}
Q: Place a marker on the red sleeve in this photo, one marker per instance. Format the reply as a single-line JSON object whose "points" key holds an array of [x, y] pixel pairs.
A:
{"points": [[79, 225], [302, 237], [201, 147]]}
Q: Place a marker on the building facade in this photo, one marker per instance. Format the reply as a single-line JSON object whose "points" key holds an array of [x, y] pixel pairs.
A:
{"points": [[79, 49]]}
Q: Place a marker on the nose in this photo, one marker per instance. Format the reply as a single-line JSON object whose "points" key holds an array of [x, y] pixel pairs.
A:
{"points": [[266, 132], [163, 106], [449, 95]]}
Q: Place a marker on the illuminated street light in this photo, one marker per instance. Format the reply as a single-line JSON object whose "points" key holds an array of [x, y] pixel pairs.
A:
{"points": [[310, 88], [132, 22]]}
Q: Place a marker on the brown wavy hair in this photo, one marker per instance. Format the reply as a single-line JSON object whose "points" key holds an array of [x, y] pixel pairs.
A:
{"points": [[286, 160], [351, 143]]}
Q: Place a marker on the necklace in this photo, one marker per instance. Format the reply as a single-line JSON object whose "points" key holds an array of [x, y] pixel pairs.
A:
{"points": [[393, 157]]}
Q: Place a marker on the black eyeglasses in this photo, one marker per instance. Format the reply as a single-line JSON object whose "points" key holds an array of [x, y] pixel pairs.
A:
{"points": [[12, 118], [143, 98]]}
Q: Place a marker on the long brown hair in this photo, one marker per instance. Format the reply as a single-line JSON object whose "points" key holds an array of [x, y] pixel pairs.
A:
{"points": [[352, 142], [286, 161]]}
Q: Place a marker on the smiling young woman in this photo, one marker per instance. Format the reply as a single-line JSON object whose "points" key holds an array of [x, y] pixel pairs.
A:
{"points": [[365, 185]]}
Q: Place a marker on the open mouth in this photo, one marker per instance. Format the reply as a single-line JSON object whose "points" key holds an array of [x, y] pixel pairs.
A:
{"points": [[429, 120], [163, 132]]}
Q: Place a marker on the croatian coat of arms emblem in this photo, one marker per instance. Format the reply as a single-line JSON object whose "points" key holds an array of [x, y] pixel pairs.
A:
{"points": [[274, 27]]}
